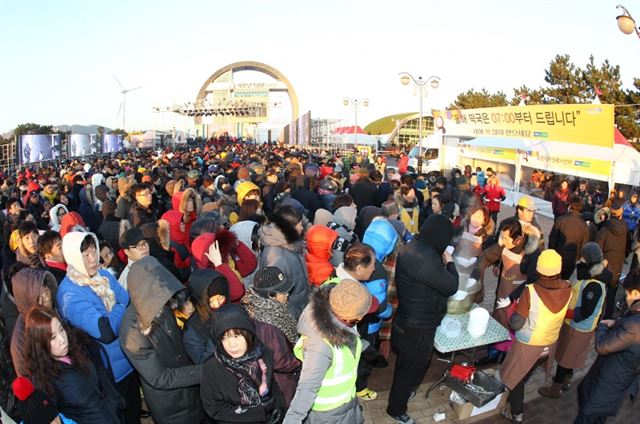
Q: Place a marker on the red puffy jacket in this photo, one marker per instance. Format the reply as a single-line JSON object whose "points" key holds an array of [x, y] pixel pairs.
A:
{"points": [[320, 241], [494, 194]]}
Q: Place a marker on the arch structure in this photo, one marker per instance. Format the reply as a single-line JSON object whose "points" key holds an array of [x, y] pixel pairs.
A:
{"points": [[245, 95]]}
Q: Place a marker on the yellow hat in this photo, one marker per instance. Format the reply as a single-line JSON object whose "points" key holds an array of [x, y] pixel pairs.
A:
{"points": [[527, 203], [14, 240], [549, 263]]}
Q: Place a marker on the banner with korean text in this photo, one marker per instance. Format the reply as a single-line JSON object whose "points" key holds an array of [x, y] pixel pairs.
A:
{"points": [[588, 124]]}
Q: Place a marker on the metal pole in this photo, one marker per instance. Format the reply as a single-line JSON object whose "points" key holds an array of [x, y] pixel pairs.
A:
{"points": [[420, 84], [355, 103]]}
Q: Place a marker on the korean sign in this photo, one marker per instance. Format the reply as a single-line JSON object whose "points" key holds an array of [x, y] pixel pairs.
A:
{"points": [[577, 123]]}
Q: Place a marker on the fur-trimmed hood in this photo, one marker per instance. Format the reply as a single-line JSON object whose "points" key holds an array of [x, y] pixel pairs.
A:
{"points": [[318, 320], [597, 269], [179, 200], [532, 240], [227, 242], [158, 232]]}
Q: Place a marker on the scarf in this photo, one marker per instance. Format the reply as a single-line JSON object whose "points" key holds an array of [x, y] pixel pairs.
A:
{"points": [[251, 372], [272, 312], [99, 284]]}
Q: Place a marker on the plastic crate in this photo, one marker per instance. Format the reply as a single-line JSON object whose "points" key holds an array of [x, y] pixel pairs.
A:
{"points": [[480, 391]]}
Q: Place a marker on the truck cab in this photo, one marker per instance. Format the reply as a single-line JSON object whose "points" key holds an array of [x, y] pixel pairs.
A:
{"points": [[431, 160]]}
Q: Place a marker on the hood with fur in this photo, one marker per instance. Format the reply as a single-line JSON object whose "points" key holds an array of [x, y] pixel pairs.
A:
{"points": [[150, 286], [227, 242], [158, 232], [532, 242], [179, 200], [318, 320], [272, 235]]}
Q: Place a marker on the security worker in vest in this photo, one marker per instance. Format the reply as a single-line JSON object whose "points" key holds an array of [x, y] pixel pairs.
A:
{"points": [[538, 317], [576, 336], [330, 348]]}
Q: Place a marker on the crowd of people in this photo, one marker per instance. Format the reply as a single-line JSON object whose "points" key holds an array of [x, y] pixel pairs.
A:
{"points": [[231, 282]]}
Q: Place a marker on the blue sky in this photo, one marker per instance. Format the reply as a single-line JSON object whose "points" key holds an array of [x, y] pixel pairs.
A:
{"points": [[59, 56]]}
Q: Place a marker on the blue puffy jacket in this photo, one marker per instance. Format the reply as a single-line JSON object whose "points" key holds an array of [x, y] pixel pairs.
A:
{"points": [[382, 237], [81, 307], [631, 214]]}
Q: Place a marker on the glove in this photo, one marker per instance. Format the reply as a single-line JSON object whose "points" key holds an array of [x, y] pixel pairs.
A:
{"points": [[503, 302]]}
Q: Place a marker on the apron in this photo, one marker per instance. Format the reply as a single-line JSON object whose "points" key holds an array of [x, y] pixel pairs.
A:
{"points": [[469, 246], [510, 278]]}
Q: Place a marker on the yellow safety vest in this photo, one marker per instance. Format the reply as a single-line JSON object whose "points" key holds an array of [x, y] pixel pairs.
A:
{"points": [[339, 383], [590, 323], [542, 327], [410, 221]]}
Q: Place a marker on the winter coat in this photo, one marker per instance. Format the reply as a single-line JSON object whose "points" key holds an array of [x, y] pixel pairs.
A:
{"points": [[196, 337], [123, 201], [616, 371], [321, 330], [569, 233], [88, 210], [560, 202], [364, 193], [178, 225], [237, 259], [320, 241], [494, 195], [244, 231], [219, 386], [631, 214], [140, 215], [88, 397], [157, 233], [423, 282], [154, 346], [309, 200], [289, 258], [81, 307], [344, 222], [111, 229], [28, 285], [382, 237], [286, 367], [529, 248], [613, 239]]}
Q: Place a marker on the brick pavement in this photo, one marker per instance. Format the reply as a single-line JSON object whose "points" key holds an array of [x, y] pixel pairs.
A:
{"points": [[537, 409]]}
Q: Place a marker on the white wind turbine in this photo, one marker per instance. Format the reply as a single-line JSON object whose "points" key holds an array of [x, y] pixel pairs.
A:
{"points": [[123, 104]]}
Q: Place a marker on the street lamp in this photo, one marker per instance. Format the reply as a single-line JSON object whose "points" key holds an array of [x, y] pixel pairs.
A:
{"points": [[434, 82], [355, 102], [626, 23]]}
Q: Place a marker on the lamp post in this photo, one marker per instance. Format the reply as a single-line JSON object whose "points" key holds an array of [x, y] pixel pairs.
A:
{"points": [[626, 23], [356, 103], [434, 82]]}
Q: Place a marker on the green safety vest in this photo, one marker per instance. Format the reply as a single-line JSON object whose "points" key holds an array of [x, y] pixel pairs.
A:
{"points": [[339, 383]]}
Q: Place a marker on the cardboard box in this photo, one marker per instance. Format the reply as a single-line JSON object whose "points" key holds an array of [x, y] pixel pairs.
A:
{"points": [[468, 410]]}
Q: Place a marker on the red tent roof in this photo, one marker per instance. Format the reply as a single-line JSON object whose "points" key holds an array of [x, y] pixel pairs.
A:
{"points": [[618, 138]]}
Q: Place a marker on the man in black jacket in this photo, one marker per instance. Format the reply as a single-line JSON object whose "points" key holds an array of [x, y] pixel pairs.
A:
{"points": [[569, 234], [425, 277], [141, 212], [364, 191]]}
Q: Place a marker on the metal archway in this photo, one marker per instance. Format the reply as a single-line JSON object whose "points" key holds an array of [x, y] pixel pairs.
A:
{"points": [[250, 66]]}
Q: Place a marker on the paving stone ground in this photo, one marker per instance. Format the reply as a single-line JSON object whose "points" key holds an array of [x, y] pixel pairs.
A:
{"points": [[538, 410]]}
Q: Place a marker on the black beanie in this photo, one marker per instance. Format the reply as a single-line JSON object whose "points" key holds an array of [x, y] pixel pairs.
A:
{"points": [[219, 285], [231, 316], [437, 231]]}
